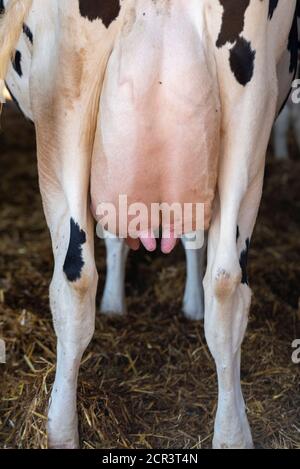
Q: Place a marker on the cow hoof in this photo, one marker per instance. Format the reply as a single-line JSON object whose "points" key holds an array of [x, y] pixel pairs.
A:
{"points": [[69, 445], [223, 444], [61, 437], [241, 439], [55, 443]]}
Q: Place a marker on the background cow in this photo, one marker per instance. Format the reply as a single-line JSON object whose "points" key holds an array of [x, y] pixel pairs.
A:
{"points": [[288, 120]]}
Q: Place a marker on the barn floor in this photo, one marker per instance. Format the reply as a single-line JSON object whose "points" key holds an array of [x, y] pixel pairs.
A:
{"points": [[147, 380]]}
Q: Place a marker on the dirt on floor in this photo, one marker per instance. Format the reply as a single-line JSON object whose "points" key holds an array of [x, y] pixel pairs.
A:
{"points": [[147, 380]]}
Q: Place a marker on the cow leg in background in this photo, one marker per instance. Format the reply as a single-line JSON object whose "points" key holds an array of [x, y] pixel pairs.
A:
{"points": [[280, 134], [113, 301], [193, 301], [227, 294], [295, 111]]}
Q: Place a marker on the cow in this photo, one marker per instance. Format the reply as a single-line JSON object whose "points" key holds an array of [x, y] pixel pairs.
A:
{"points": [[165, 101], [288, 119]]}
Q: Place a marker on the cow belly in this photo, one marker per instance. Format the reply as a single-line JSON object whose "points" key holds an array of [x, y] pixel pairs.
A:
{"points": [[158, 134]]}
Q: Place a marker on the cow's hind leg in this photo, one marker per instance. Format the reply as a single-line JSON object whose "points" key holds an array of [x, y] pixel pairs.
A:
{"points": [[227, 294], [193, 301], [227, 303], [72, 299], [113, 300], [64, 181]]}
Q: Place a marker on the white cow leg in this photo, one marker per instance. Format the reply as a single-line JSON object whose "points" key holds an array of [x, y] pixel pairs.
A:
{"points": [[227, 294], [193, 301], [280, 134], [73, 308], [227, 303], [226, 314], [113, 301], [65, 109], [64, 180]]}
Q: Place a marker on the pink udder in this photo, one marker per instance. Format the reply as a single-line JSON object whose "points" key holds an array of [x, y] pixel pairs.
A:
{"points": [[168, 241], [148, 240]]}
